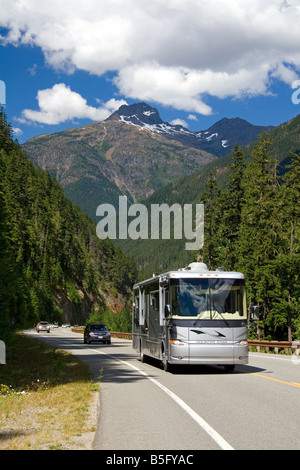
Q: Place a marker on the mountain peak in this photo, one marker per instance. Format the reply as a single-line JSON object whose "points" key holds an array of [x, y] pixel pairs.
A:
{"points": [[139, 114], [240, 131], [218, 139]]}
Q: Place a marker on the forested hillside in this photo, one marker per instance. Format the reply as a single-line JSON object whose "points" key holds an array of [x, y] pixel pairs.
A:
{"points": [[52, 265], [253, 225], [99, 162], [158, 255]]}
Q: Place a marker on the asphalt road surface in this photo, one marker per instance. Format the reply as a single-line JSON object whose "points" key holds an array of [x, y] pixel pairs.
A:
{"points": [[257, 407]]}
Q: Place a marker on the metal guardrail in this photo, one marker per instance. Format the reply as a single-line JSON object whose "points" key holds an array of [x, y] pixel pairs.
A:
{"points": [[277, 345], [115, 334], [265, 345], [121, 335], [288, 346]]}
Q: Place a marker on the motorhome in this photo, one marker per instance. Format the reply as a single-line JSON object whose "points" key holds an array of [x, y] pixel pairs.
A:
{"points": [[191, 316]]}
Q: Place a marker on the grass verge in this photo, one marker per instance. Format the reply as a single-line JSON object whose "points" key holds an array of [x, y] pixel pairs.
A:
{"points": [[48, 399]]}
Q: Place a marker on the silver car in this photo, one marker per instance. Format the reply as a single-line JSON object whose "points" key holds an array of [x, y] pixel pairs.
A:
{"points": [[43, 326]]}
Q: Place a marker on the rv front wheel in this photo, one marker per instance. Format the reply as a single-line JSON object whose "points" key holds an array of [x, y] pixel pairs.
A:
{"points": [[166, 365], [142, 356]]}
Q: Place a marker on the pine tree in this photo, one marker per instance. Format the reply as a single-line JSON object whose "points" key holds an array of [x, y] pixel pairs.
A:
{"points": [[48, 247], [210, 252], [258, 234], [284, 270], [290, 195], [231, 201], [5, 132]]}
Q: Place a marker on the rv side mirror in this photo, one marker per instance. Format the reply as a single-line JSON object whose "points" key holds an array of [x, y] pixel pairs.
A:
{"points": [[167, 310], [254, 313], [253, 316]]}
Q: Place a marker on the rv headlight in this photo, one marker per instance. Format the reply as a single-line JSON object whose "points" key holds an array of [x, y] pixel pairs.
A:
{"points": [[176, 342], [244, 342]]}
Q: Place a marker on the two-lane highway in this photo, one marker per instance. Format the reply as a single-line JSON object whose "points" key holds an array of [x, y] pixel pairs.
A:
{"points": [[195, 408]]}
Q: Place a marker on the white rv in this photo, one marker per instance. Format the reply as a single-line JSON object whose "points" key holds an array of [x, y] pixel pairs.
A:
{"points": [[191, 316]]}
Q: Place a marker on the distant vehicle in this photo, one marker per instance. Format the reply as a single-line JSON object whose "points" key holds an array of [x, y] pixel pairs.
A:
{"points": [[65, 325], [96, 332], [43, 326]]}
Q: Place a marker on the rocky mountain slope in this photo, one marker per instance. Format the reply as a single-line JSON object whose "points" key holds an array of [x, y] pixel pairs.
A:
{"points": [[98, 162], [132, 153], [159, 255], [218, 139]]}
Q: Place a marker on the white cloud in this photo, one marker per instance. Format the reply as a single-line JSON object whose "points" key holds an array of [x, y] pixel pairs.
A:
{"points": [[179, 122], [17, 131], [170, 86], [59, 104], [183, 88], [192, 117], [166, 51]]}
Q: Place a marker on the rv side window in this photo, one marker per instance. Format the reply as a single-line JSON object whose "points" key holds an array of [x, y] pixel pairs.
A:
{"points": [[142, 305]]}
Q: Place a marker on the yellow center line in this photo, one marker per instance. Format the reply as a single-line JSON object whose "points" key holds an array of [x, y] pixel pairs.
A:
{"points": [[293, 384]]}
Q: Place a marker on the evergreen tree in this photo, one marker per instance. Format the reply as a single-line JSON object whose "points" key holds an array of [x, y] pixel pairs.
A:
{"points": [[258, 234], [253, 226], [231, 201], [284, 291], [284, 270], [5, 132], [49, 249], [5, 257], [210, 253], [290, 197]]}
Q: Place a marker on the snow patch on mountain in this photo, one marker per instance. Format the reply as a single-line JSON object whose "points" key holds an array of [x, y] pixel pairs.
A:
{"points": [[219, 139]]}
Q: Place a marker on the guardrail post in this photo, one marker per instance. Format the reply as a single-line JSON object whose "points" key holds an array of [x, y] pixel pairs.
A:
{"points": [[296, 346]]}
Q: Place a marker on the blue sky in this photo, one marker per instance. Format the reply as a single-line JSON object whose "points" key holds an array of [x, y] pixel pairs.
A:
{"points": [[198, 61]]}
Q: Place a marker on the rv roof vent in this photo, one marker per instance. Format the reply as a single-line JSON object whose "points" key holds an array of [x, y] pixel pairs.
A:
{"points": [[220, 269], [198, 267]]}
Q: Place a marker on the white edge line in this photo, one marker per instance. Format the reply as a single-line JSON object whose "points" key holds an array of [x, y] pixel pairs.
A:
{"points": [[200, 421]]}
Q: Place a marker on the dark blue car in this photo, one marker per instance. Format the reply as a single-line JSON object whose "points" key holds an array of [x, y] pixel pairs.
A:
{"points": [[96, 332]]}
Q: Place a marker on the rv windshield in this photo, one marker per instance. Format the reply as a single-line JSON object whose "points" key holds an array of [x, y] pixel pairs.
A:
{"points": [[220, 298]]}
